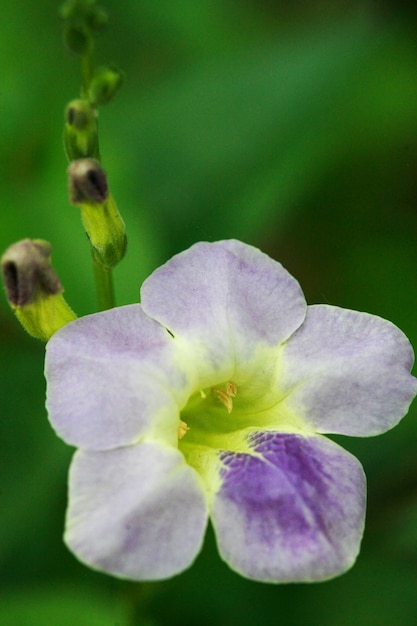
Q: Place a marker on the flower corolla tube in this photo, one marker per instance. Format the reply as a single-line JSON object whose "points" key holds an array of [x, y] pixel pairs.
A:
{"points": [[209, 400]]}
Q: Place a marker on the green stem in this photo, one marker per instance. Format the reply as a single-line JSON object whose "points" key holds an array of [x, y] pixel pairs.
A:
{"points": [[87, 68], [104, 286], [87, 72]]}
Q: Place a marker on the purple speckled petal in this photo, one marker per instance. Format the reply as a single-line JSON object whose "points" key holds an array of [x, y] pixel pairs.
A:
{"points": [[348, 372], [291, 512], [227, 297], [112, 377], [137, 512]]}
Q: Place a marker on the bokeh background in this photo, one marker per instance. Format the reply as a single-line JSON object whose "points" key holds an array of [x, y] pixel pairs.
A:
{"points": [[289, 125]]}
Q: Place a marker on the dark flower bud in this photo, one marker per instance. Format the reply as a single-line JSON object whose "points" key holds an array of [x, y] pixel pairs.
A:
{"points": [[26, 269], [87, 182], [33, 288]]}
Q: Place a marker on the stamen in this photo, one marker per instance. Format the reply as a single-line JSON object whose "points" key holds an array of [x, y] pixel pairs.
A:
{"points": [[182, 429], [226, 395], [231, 389]]}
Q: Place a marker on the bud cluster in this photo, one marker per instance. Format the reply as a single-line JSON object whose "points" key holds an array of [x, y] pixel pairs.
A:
{"points": [[82, 18], [33, 288], [87, 180]]}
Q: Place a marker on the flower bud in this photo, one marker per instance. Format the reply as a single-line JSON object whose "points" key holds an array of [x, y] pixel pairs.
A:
{"points": [[98, 18], [85, 12], [77, 39], [80, 132], [33, 288], [104, 85], [101, 219]]}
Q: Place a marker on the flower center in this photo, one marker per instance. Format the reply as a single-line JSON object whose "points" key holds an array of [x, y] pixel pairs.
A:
{"points": [[223, 395], [214, 414], [221, 416]]}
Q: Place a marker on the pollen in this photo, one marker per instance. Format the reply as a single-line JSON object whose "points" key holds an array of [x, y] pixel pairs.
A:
{"points": [[226, 395], [182, 429]]}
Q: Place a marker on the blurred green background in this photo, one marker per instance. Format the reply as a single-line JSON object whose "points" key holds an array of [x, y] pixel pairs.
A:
{"points": [[292, 126]]}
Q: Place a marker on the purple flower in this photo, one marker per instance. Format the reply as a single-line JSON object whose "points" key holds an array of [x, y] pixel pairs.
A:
{"points": [[210, 399]]}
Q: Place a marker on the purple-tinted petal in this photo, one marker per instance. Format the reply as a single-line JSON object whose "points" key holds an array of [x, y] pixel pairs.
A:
{"points": [[113, 376], [293, 511], [228, 298], [137, 512], [348, 372]]}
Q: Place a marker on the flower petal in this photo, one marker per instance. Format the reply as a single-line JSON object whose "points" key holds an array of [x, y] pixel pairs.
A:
{"points": [[228, 298], [291, 512], [137, 512], [113, 376], [348, 372]]}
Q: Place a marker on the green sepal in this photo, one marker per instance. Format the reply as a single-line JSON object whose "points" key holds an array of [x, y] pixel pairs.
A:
{"points": [[106, 231], [44, 316]]}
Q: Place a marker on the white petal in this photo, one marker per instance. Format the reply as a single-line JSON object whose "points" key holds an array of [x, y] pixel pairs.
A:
{"points": [[347, 372], [137, 512], [113, 377], [229, 299]]}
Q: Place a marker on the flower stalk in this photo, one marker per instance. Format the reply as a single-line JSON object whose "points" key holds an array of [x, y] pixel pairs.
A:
{"points": [[103, 278]]}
